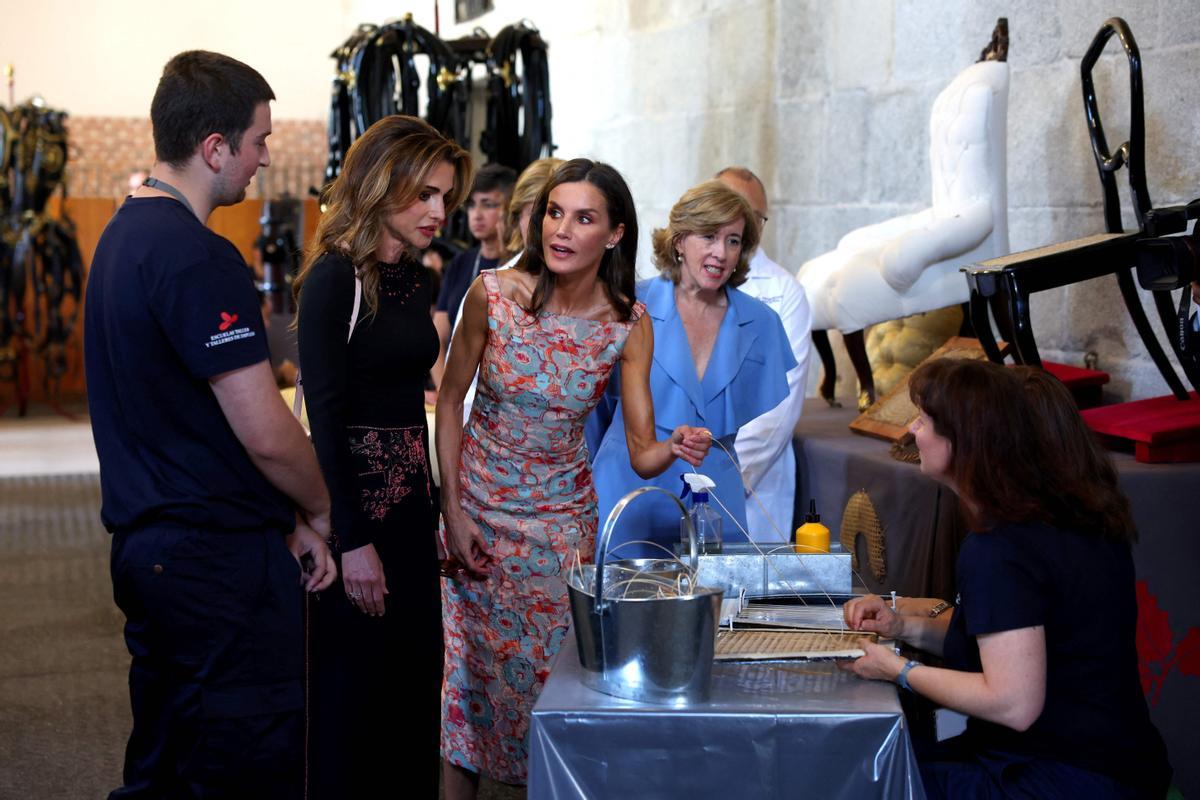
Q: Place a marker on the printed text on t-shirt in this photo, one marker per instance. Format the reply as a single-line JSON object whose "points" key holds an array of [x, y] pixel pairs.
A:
{"points": [[218, 339]]}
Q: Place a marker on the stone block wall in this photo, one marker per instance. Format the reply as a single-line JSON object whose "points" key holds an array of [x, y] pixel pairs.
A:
{"points": [[829, 102]]}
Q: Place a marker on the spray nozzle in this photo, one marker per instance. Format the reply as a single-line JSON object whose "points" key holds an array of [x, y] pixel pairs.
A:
{"points": [[697, 484]]}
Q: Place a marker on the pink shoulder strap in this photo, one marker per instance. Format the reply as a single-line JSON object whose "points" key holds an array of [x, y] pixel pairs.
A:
{"points": [[491, 283], [639, 308]]}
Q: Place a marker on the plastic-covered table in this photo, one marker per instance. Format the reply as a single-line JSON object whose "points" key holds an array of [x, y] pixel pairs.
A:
{"points": [[769, 729]]}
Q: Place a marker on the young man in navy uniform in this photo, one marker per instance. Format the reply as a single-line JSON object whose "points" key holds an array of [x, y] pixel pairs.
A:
{"points": [[209, 486]]}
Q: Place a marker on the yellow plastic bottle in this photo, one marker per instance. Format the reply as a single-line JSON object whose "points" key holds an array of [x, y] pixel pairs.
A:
{"points": [[812, 536]]}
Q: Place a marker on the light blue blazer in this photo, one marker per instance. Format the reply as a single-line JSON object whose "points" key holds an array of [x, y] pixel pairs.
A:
{"points": [[746, 377]]}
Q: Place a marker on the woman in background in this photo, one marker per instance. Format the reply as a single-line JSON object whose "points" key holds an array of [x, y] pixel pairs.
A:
{"points": [[376, 647], [1040, 645], [720, 360]]}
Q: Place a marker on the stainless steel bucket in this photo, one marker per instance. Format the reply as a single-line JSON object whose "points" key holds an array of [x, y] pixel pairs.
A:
{"points": [[641, 645]]}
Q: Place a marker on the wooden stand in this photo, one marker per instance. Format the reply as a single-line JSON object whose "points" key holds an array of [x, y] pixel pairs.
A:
{"points": [[1085, 385], [1161, 429], [889, 416]]}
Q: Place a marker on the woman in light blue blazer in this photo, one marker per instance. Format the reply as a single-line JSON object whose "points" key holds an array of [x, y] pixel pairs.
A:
{"points": [[721, 359]]}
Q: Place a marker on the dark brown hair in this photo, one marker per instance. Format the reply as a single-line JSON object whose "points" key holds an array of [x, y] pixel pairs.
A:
{"points": [[1078, 459], [618, 265], [199, 94], [492, 178], [1019, 452]]}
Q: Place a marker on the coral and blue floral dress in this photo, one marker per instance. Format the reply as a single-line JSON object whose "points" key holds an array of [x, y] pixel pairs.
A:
{"points": [[525, 480]]}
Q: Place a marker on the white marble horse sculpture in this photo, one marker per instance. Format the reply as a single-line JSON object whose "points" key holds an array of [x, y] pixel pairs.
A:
{"points": [[910, 264]]}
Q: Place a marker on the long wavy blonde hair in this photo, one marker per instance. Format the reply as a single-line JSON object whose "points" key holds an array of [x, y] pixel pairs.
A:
{"points": [[385, 171]]}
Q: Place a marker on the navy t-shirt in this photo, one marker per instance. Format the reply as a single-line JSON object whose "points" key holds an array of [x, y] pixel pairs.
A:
{"points": [[1080, 587], [457, 277], [171, 304]]}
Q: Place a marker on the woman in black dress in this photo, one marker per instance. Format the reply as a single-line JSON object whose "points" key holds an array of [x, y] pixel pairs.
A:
{"points": [[375, 642]]}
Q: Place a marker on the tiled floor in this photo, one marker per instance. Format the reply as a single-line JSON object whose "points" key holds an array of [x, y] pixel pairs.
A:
{"points": [[64, 700], [46, 446], [64, 703]]}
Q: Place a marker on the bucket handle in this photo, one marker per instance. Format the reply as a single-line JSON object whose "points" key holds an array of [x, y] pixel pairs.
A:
{"points": [[610, 524]]}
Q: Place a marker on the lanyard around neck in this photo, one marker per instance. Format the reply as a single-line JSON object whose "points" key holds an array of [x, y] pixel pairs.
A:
{"points": [[163, 186]]}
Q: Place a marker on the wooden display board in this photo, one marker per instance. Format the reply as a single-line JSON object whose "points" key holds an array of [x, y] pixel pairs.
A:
{"points": [[889, 416], [90, 215], [771, 645]]}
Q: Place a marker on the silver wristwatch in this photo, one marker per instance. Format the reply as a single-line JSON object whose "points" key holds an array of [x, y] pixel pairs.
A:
{"points": [[902, 678]]}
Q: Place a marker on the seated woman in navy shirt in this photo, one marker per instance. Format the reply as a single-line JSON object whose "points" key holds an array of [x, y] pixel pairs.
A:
{"points": [[1039, 647]]}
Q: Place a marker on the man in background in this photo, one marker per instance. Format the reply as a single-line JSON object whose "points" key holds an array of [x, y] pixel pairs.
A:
{"points": [[209, 485], [764, 446]]}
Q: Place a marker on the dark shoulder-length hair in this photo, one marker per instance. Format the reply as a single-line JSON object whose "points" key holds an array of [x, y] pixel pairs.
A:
{"points": [[1019, 451], [618, 266], [1077, 457]]}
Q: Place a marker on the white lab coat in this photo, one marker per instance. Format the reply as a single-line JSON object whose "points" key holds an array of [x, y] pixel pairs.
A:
{"points": [[764, 445]]}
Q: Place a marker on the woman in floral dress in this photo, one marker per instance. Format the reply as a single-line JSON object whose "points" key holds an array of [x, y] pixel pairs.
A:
{"points": [[545, 337]]}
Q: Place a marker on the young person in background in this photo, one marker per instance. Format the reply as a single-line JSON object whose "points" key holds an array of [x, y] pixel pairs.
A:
{"points": [[486, 206]]}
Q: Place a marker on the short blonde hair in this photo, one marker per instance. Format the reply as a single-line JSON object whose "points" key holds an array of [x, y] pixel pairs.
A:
{"points": [[704, 209], [525, 193]]}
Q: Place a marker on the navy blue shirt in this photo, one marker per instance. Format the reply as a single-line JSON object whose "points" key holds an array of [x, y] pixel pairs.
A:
{"points": [[1080, 588], [171, 304], [456, 280]]}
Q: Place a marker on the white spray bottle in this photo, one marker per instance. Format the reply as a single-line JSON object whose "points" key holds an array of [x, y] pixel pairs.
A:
{"points": [[705, 520]]}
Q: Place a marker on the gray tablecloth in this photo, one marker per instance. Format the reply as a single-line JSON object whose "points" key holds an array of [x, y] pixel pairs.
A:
{"points": [[780, 729], [920, 516]]}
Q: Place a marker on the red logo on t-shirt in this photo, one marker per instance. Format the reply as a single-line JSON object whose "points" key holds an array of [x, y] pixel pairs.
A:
{"points": [[227, 319]]}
